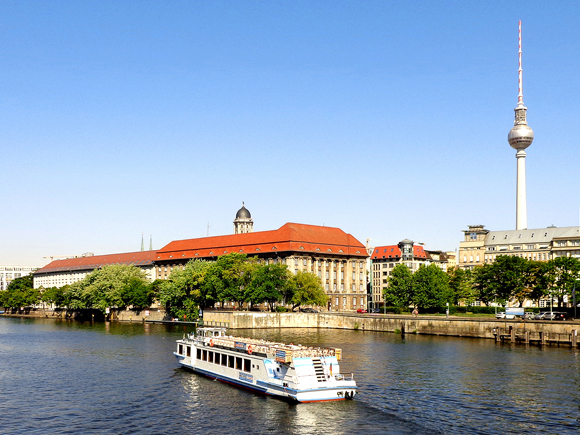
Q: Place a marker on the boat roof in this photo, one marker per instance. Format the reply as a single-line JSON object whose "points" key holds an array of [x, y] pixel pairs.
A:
{"points": [[284, 352]]}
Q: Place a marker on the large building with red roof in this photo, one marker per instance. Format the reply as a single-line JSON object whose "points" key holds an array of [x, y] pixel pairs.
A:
{"points": [[336, 257], [62, 272]]}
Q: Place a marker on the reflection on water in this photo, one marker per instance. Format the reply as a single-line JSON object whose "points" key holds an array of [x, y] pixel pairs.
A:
{"points": [[73, 377]]}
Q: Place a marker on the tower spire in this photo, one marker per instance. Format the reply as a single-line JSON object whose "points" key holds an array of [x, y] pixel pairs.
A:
{"points": [[151, 242], [520, 70], [520, 137], [142, 245]]}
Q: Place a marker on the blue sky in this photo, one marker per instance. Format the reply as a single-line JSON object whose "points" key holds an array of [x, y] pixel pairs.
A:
{"points": [[388, 119]]}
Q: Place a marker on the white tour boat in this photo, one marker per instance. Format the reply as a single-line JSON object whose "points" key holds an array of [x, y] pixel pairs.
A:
{"points": [[301, 373]]}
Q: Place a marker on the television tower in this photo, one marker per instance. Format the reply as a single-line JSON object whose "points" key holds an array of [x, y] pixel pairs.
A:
{"points": [[520, 137]]}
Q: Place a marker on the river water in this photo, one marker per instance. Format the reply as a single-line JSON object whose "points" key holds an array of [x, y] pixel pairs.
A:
{"points": [[66, 377]]}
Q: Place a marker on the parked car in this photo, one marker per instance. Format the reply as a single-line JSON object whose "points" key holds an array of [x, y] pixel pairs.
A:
{"points": [[308, 310], [361, 310], [502, 315], [555, 315], [541, 315], [376, 310], [529, 315]]}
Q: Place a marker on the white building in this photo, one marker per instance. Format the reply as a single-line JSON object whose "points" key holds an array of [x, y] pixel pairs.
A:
{"points": [[59, 273], [8, 273]]}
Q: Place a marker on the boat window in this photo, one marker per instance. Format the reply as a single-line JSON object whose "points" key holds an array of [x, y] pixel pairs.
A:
{"points": [[188, 350], [198, 353], [204, 355], [217, 358], [210, 359], [247, 365], [231, 361], [224, 360], [180, 351], [238, 363]]}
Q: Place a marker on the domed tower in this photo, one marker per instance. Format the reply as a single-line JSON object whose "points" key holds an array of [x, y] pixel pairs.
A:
{"points": [[243, 222], [520, 137], [406, 247]]}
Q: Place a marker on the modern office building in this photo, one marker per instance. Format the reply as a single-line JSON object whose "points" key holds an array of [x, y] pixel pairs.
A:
{"points": [[9, 273]]}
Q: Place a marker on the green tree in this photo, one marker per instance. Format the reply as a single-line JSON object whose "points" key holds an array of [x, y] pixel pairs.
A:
{"points": [[461, 284], [109, 286], [431, 288], [305, 288], [228, 279], [54, 295], [566, 271], [183, 293], [399, 290], [501, 280], [268, 283], [20, 293]]}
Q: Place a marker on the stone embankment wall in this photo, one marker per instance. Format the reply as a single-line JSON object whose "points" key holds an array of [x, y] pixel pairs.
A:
{"points": [[458, 327], [115, 315]]}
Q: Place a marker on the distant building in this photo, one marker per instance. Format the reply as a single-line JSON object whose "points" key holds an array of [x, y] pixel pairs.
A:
{"points": [[472, 248], [542, 244], [9, 273], [59, 273], [385, 258], [336, 257]]}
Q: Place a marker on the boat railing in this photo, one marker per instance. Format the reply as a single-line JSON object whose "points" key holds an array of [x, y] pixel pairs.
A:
{"points": [[284, 351], [344, 377]]}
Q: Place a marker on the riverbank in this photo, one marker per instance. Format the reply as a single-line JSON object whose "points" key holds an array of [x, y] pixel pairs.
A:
{"points": [[431, 325], [517, 330]]}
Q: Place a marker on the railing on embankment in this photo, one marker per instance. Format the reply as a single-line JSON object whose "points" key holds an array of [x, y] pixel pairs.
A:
{"points": [[540, 332], [515, 334]]}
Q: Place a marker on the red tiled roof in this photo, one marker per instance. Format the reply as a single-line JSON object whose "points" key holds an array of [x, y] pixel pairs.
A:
{"points": [[290, 237], [393, 251], [141, 258]]}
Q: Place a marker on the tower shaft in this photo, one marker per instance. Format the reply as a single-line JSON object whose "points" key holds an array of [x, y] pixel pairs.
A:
{"points": [[521, 201]]}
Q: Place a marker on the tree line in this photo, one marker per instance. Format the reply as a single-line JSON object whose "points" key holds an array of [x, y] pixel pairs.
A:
{"points": [[199, 285], [508, 278]]}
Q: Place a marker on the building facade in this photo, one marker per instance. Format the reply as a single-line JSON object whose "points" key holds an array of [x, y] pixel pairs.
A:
{"points": [[385, 258], [541, 244], [59, 273], [336, 257], [9, 273]]}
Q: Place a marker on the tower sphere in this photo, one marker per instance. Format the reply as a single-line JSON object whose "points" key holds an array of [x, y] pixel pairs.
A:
{"points": [[520, 136]]}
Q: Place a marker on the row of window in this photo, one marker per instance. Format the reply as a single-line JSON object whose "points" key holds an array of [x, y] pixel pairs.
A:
{"points": [[336, 300], [231, 361], [327, 287]]}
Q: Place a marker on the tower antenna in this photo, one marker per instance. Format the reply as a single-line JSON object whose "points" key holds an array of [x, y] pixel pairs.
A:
{"points": [[520, 70]]}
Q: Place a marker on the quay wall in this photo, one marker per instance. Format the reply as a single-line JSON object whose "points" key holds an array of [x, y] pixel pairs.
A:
{"points": [[457, 327], [115, 315]]}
